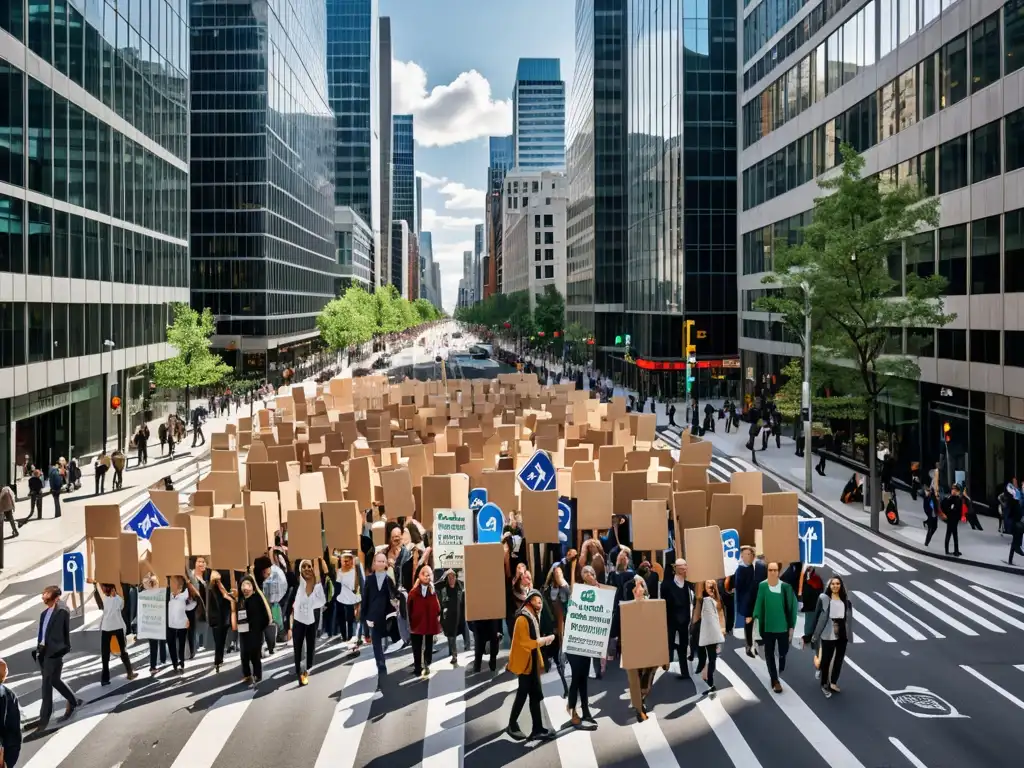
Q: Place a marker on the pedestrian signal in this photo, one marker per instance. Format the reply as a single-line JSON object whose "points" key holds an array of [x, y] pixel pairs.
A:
{"points": [[115, 403]]}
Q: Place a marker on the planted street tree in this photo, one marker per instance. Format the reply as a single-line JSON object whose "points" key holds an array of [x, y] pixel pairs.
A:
{"points": [[194, 365], [842, 263], [346, 321]]}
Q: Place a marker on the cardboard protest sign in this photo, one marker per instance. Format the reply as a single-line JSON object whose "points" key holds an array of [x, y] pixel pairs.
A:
{"points": [[690, 477], [312, 490], [288, 493], [151, 615], [343, 524], [101, 521], [644, 633], [224, 485], [727, 511], [220, 441], [611, 458], [168, 554], [501, 489], [397, 484], [360, 481], [257, 539], [713, 489], [197, 532], [129, 557], [753, 516], [442, 492], [593, 504], [108, 559], [780, 504], [271, 511], [305, 540], [749, 485], [539, 511], [257, 453], [696, 453], [649, 525], [485, 578], [626, 487], [588, 621], [704, 553], [453, 530], [579, 453], [445, 464], [224, 461], [165, 501], [229, 545], [781, 537]]}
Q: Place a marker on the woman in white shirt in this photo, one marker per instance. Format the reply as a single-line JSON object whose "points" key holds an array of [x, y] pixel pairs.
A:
{"points": [[712, 631], [350, 588], [833, 630], [180, 600], [309, 599], [112, 629]]}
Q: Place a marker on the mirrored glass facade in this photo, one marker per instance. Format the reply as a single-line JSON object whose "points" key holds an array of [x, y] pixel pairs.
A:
{"points": [[263, 247], [538, 116], [403, 195]]}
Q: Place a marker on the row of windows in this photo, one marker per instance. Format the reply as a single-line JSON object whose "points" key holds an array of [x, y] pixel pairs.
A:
{"points": [[35, 332], [839, 59], [771, 16], [977, 346], [874, 119]]}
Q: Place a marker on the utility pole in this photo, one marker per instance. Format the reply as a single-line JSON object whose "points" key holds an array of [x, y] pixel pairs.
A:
{"points": [[690, 354], [805, 391]]}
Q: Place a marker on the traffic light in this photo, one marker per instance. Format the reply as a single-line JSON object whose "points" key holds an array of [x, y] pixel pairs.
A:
{"points": [[689, 354], [945, 431], [115, 403]]}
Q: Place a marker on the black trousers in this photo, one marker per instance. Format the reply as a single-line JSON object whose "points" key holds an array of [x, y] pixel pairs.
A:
{"points": [[377, 638], [932, 524], [748, 633], [529, 688], [708, 655], [773, 640], [485, 632], [680, 632], [157, 647], [422, 652], [56, 503], [832, 654], [252, 665], [580, 666], [220, 641], [176, 646], [105, 653], [729, 603], [51, 671], [951, 532], [821, 463], [303, 634]]}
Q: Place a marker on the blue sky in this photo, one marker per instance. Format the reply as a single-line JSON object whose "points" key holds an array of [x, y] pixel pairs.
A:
{"points": [[454, 67]]}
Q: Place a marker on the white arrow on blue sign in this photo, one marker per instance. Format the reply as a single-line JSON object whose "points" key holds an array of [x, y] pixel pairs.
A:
{"points": [[731, 550], [146, 519], [539, 473], [812, 541], [74, 572], [564, 521], [477, 499], [490, 521]]}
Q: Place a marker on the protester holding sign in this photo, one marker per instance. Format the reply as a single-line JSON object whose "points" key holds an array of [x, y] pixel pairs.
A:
{"points": [[640, 680], [112, 631], [379, 593], [219, 607], [449, 593], [712, 632], [250, 618], [525, 661], [678, 596], [424, 620], [309, 599], [587, 632], [151, 621], [181, 598], [349, 587]]}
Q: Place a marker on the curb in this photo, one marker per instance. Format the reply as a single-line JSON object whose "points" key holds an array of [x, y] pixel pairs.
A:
{"points": [[8, 576], [892, 540]]}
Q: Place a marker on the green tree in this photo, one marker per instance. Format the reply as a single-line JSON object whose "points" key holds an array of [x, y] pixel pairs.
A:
{"points": [[388, 314], [549, 312], [346, 321], [426, 310], [788, 397], [576, 336], [194, 365], [843, 262], [410, 316]]}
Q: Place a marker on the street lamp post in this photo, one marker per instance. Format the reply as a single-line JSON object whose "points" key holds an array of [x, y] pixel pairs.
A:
{"points": [[110, 346], [805, 390]]}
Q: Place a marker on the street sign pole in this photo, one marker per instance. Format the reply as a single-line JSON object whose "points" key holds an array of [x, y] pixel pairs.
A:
{"points": [[690, 353]]}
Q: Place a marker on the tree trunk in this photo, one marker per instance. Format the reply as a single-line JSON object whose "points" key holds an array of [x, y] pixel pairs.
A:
{"points": [[873, 489], [187, 392]]}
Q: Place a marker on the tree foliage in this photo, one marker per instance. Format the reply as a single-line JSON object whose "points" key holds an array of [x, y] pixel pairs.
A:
{"points": [[194, 365], [549, 312], [356, 316], [426, 310], [843, 261], [498, 309], [788, 398]]}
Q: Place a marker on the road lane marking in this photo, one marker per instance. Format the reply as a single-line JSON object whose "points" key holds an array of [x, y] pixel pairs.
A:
{"points": [[846, 561], [980, 620], [1001, 615], [445, 729], [727, 733], [886, 613], [997, 599], [345, 732], [14, 629], [870, 562], [837, 569], [818, 735], [903, 566], [206, 742], [64, 740], [870, 626], [1001, 691], [899, 608], [936, 612], [736, 682], [653, 744], [911, 757]]}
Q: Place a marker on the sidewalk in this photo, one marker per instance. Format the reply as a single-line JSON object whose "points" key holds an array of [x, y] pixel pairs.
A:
{"points": [[987, 548]]}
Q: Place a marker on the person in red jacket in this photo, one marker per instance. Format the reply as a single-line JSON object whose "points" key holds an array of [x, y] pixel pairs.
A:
{"points": [[424, 620]]}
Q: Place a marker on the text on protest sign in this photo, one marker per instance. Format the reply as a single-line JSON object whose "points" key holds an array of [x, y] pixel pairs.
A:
{"points": [[588, 623], [452, 532]]}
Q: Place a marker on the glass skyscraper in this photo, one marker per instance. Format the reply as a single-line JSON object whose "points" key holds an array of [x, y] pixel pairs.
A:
{"points": [[94, 122], [501, 154], [538, 116], [263, 248], [681, 146], [403, 191]]}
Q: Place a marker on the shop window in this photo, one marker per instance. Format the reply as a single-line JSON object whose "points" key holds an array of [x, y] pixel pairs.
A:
{"points": [[952, 344], [985, 53], [953, 164], [953, 72], [1013, 34], [953, 258], [986, 160], [985, 347], [1013, 223], [985, 265], [1013, 348], [1014, 134]]}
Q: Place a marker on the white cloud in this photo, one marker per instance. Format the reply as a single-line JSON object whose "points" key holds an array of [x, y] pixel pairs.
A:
{"points": [[460, 197], [434, 221], [460, 111], [431, 181]]}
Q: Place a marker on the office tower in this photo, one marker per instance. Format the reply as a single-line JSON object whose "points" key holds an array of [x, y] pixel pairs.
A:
{"points": [[400, 249], [353, 241], [352, 71], [428, 288], [535, 206], [596, 158], [264, 258], [419, 205], [478, 252], [944, 111], [538, 116], [412, 291], [681, 171], [383, 257], [500, 161], [436, 280], [403, 191], [93, 223]]}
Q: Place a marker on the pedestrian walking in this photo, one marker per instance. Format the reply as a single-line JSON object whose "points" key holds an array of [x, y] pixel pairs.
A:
{"points": [[118, 461], [640, 680], [424, 620], [100, 468], [672, 415], [828, 442], [952, 510], [35, 494], [273, 584], [56, 482], [833, 630], [349, 587], [197, 427], [712, 633], [525, 661], [678, 598], [197, 619], [112, 630], [380, 596], [10, 722], [162, 433], [775, 611], [219, 609], [7, 503], [250, 617], [54, 643], [449, 593], [181, 598], [305, 618], [157, 648]]}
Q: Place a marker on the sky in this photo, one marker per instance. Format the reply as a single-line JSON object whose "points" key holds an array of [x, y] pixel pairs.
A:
{"points": [[453, 70]]}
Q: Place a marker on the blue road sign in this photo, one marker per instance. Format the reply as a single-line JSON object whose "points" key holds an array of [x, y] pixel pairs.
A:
{"points": [[490, 521], [731, 550], [539, 473], [564, 521], [73, 569], [146, 519], [477, 499], [812, 541]]}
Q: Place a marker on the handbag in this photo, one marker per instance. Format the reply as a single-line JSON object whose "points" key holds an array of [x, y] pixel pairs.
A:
{"points": [[115, 647]]}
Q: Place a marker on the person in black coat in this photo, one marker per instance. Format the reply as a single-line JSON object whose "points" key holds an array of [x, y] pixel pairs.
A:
{"points": [[678, 606], [378, 593], [749, 575], [54, 645], [10, 722]]}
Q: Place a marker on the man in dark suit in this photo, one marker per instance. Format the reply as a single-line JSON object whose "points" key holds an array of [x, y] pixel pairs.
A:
{"points": [[10, 723], [54, 645], [378, 592], [678, 597]]}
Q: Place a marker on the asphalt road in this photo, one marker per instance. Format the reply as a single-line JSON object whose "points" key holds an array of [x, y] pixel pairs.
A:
{"points": [[935, 679]]}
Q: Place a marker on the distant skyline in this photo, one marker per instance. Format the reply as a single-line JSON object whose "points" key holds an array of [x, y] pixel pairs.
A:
{"points": [[454, 70]]}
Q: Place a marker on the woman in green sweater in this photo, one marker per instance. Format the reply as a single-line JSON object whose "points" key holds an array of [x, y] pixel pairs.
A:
{"points": [[775, 612]]}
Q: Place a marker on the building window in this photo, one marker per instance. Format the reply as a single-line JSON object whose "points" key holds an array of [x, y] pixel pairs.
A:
{"points": [[928, 83], [1013, 347], [985, 347], [921, 254], [12, 18], [985, 265], [986, 160], [536, 238], [12, 119], [549, 238], [985, 53], [11, 234], [953, 258], [39, 340], [953, 164], [953, 72], [1014, 139], [549, 271], [952, 344], [536, 272], [536, 254], [906, 98], [549, 254], [1013, 236], [549, 220], [888, 114], [1013, 34], [921, 342]]}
